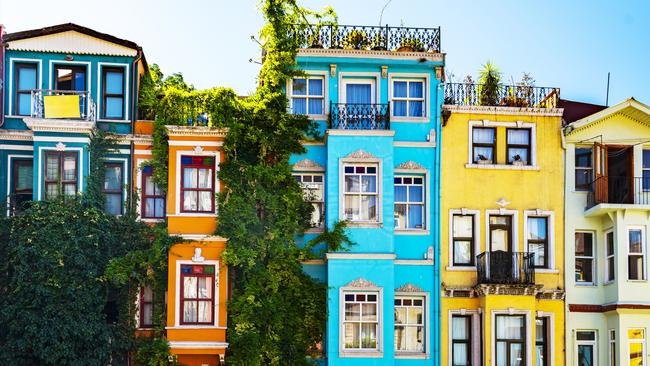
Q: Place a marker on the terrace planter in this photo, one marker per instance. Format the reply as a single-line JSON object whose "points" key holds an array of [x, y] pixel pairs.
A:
{"points": [[520, 162], [484, 162]]}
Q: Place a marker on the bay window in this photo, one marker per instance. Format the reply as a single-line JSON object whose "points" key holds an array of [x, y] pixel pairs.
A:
{"points": [[113, 93], [197, 294], [307, 96], [197, 184], [153, 198], [360, 192], [60, 178], [361, 321], [409, 98], [510, 340], [409, 324], [26, 81], [112, 188], [463, 240], [409, 203], [636, 255]]}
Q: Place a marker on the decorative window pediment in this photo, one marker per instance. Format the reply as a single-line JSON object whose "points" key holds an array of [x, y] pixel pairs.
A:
{"points": [[361, 283], [410, 165], [360, 154], [307, 164], [409, 287]]}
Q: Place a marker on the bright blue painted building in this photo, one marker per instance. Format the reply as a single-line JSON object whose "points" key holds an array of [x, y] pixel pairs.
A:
{"points": [[58, 84], [378, 106]]}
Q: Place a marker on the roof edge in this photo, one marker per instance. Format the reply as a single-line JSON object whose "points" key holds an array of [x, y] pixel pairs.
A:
{"points": [[60, 28]]}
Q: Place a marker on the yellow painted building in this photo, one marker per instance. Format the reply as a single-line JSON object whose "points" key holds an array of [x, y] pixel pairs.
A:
{"points": [[502, 234], [197, 280]]}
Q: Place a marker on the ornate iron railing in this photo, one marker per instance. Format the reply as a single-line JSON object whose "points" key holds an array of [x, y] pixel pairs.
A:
{"points": [[192, 114], [353, 116], [504, 95], [87, 107], [505, 268], [358, 37], [608, 189]]}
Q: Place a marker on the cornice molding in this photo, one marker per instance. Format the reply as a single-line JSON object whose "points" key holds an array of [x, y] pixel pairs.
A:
{"points": [[394, 55], [16, 135], [507, 111], [204, 131], [59, 125]]}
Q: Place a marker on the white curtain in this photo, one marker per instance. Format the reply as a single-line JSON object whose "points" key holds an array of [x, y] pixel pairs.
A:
{"points": [[519, 137], [510, 327]]}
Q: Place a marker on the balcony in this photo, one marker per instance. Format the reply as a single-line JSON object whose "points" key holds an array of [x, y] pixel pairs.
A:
{"points": [[521, 96], [505, 268], [185, 114], [376, 38], [63, 104], [618, 192], [352, 116]]}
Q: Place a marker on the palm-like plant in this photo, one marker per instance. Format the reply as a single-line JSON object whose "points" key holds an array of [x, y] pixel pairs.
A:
{"points": [[489, 80]]}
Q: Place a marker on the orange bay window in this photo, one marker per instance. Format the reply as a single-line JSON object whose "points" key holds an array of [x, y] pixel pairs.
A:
{"points": [[197, 294], [197, 184]]}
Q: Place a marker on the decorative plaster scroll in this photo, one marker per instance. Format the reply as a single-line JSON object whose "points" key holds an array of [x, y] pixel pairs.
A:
{"points": [[410, 165], [409, 287], [307, 164], [361, 283], [360, 154], [60, 146]]}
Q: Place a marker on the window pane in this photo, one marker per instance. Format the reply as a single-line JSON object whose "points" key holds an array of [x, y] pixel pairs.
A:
{"points": [[190, 177], [635, 334], [149, 186], [147, 294], [299, 106], [113, 204], [635, 267], [368, 335], [399, 89], [400, 315], [584, 244], [516, 354], [24, 107], [416, 109], [190, 312], [368, 208], [462, 252], [147, 314], [315, 86], [369, 312], [510, 327], [315, 106], [584, 270], [51, 190], [24, 179], [459, 326], [519, 137], [205, 178], [205, 201], [502, 354], [159, 207], [483, 153], [52, 167], [517, 154], [463, 226], [113, 177], [190, 201], [646, 159], [400, 193], [205, 287], [189, 287], [416, 89], [114, 107], [399, 108], [27, 78], [586, 336], [499, 240], [368, 183], [351, 336], [69, 168], [415, 194], [400, 216], [352, 312], [416, 219], [299, 87], [415, 315], [583, 157], [636, 245], [461, 354], [114, 82], [483, 135], [585, 355], [352, 207], [583, 178], [352, 183], [539, 256], [205, 313], [69, 189], [611, 274]]}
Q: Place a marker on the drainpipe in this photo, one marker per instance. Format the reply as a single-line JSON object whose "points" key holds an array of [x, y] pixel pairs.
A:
{"points": [[2, 76], [134, 117]]}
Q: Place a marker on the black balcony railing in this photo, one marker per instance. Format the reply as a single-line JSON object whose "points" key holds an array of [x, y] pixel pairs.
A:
{"points": [[505, 268], [630, 190], [522, 96], [185, 114], [358, 37], [353, 116]]}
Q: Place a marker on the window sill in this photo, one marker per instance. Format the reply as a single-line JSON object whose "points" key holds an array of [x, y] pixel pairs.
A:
{"points": [[188, 214], [196, 327], [361, 354], [547, 270], [637, 281], [608, 283], [357, 224], [152, 220], [501, 166], [461, 269], [586, 284], [144, 328], [410, 119], [411, 232], [412, 356], [113, 120]]}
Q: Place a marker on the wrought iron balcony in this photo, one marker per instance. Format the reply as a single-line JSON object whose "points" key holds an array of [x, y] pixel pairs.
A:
{"points": [[505, 268], [185, 114], [621, 190], [359, 37], [63, 104], [353, 116], [521, 96]]}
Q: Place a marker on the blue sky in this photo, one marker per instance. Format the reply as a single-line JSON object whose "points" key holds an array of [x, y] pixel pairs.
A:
{"points": [[567, 43]]}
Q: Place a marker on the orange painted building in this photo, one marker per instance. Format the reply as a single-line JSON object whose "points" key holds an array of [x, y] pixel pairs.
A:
{"points": [[197, 280]]}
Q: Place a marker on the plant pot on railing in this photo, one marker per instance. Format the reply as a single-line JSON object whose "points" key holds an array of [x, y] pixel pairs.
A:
{"points": [[513, 101], [411, 45], [378, 43], [356, 40]]}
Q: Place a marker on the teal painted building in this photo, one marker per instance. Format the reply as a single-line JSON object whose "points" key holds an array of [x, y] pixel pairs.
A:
{"points": [[59, 83], [376, 93]]}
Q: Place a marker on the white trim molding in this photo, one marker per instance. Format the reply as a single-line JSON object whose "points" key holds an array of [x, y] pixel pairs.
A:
{"points": [[179, 173], [100, 98], [197, 345], [476, 232], [361, 285], [89, 72], [528, 324], [374, 256], [60, 147], [493, 124], [409, 290], [426, 89], [514, 245], [550, 336], [39, 82], [361, 157], [384, 55], [550, 235], [311, 74], [476, 334]]}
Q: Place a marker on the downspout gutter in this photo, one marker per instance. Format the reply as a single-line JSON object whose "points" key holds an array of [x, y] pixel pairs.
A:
{"points": [[2, 76], [134, 117], [436, 214]]}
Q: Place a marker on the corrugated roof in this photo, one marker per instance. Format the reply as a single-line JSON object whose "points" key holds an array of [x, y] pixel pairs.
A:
{"points": [[69, 27]]}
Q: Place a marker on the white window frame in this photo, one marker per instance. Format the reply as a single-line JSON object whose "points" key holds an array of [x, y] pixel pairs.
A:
{"points": [[39, 82], [550, 240], [528, 332], [425, 193], [100, 97], [502, 165], [52, 78], [643, 252], [633, 341], [475, 339], [179, 175], [427, 200], [593, 257], [177, 295], [477, 238], [378, 352], [301, 174], [372, 78], [424, 296], [611, 345], [514, 245], [81, 168], [593, 343], [421, 77], [592, 169], [322, 75], [366, 162], [608, 256], [550, 347]]}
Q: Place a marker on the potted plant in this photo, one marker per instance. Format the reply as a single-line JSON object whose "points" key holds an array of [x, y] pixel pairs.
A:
{"points": [[411, 45], [482, 159], [378, 43], [488, 88], [356, 40], [517, 160]]}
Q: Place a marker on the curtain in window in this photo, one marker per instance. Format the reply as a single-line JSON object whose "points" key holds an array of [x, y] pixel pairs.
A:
{"points": [[300, 105], [368, 183], [510, 327], [519, 137], [400, 193], [25, 181], [416, 91], [315, 105], [368, 207], [190, 178], [112, 178], [415, 217], [69, 167], [483, 135], [499, 240], [52, 167], [459, 327], [205, 201], [205, 178], [113, 204], [537, 228], [399, 89], [299, 87], [315, 87], [463, 226], [358, 93]]}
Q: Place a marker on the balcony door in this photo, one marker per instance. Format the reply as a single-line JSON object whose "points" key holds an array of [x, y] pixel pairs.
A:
{"points": [[71, 79], [359, 91], [501, 265], [619, 174], [359, 111]]}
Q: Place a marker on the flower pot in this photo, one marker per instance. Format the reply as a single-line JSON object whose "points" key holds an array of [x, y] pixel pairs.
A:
{"points": [[520, 162], [484, 162], [405, 49]]}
